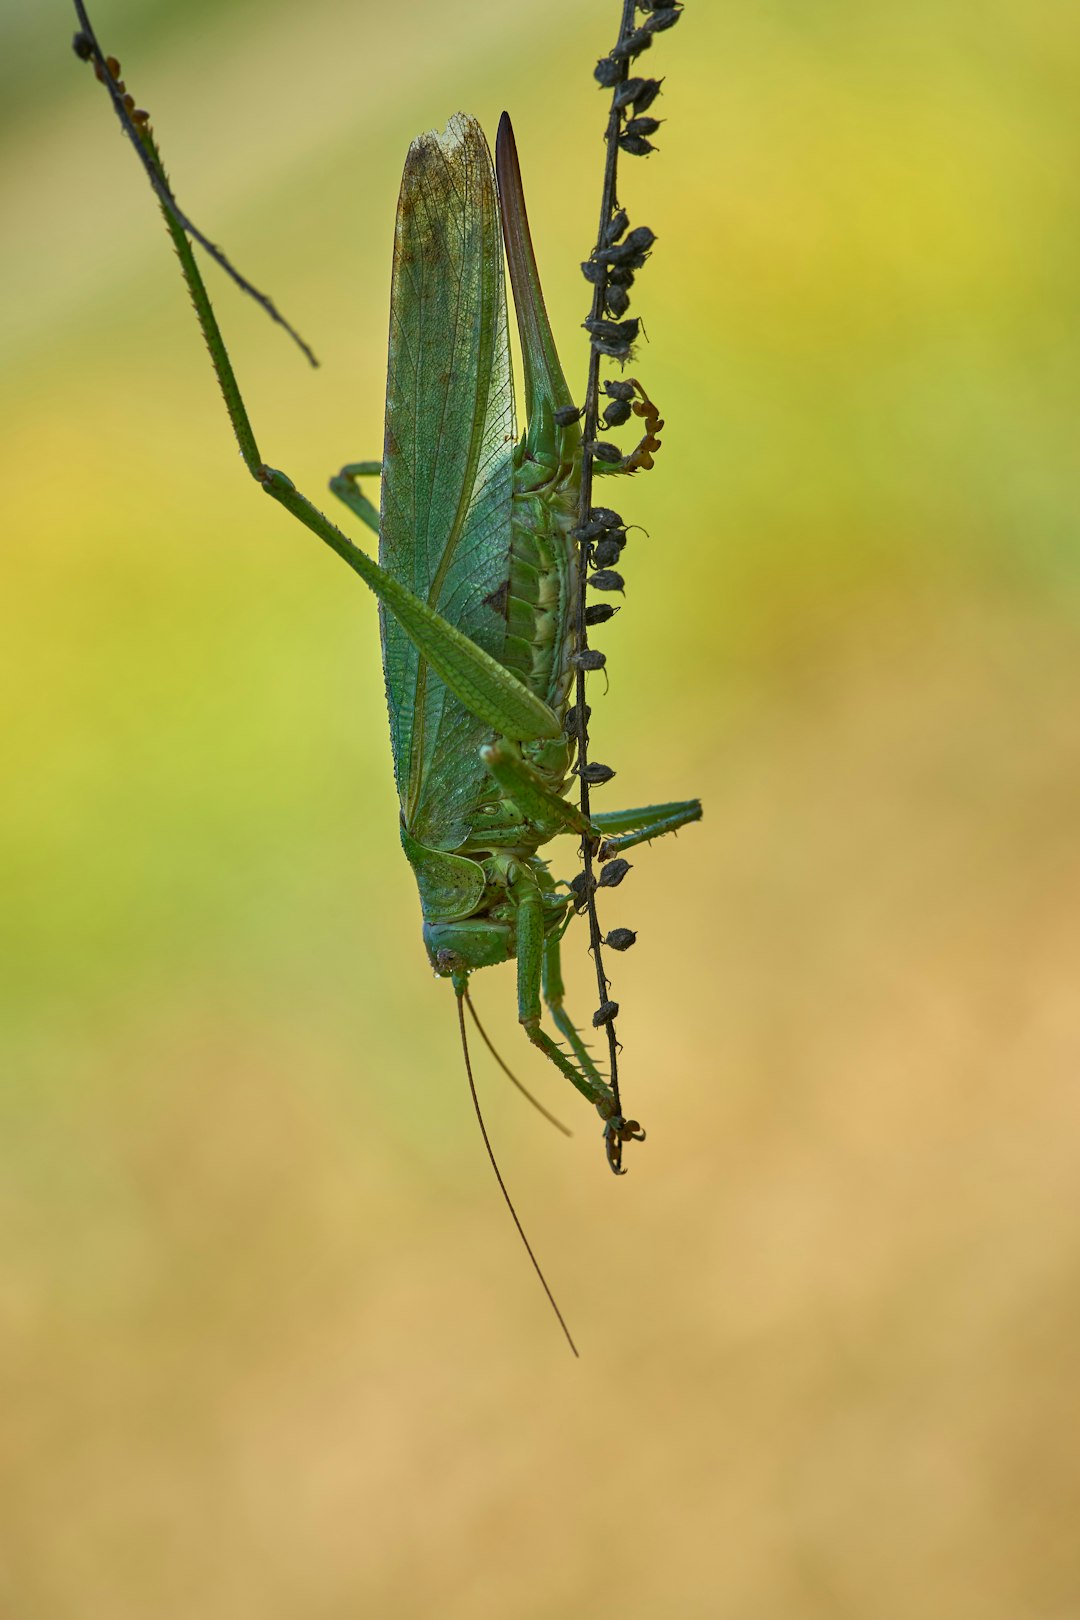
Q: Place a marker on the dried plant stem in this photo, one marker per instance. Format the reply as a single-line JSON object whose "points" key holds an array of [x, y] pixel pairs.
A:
{"points": [[592, 413]]}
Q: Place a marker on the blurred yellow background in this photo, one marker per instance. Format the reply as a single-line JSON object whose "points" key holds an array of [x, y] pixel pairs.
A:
{"points": [[267, 1343]]}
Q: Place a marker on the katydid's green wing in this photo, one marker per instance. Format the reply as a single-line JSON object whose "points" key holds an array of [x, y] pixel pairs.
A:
{"points": [[447, 463]]}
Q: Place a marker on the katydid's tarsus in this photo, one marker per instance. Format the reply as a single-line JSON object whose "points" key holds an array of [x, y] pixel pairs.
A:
{"points": [[480, 575]]}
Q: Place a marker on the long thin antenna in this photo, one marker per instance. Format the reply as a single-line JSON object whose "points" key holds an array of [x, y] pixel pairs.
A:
{"points": [[510, 1075], [499, 1179], [134, 124]]}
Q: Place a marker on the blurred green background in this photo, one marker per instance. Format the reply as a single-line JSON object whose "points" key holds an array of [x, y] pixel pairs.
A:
{"points": [[267, 1343]]}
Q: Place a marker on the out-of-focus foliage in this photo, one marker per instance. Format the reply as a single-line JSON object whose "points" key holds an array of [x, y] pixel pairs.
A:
{"points": [[266, 1342]]}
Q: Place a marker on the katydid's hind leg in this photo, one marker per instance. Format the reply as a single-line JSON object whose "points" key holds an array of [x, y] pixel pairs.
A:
{"points": [[344, 486], [622, 829], [530, 958]]}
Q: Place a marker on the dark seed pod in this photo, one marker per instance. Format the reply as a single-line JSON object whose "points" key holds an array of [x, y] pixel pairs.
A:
{"points": [[599, 612], [628, 92], [613, 331], [650, 89], [662, 18], [602, 451], [641, 239], [619, 390], [82, 47], [607, 516], [581, 888], [621, 271], [605, 1013], [630, 250], [604, 553], [606, 579], [620, 939], [593, 271], [642, 126], [566, 415], [570, 724], [614, 228], [614, 351], [616, 413], [608, 71], [635, 42], [613, 872], [636, 145], [617, 300], [589, 531], [596, 775], [588, 658]]}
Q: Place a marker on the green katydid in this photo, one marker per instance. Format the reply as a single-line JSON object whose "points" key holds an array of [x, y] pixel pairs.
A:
{"points": [[477, 579]]}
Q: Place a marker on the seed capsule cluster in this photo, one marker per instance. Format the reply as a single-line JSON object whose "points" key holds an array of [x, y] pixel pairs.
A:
{"points": [[621, 251]]}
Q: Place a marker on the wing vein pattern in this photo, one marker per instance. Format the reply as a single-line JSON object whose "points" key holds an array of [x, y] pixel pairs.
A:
{"points": [[447, 462]]}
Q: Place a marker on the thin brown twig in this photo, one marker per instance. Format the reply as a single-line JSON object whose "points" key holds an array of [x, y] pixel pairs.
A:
{"points": [[592, 412]]}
